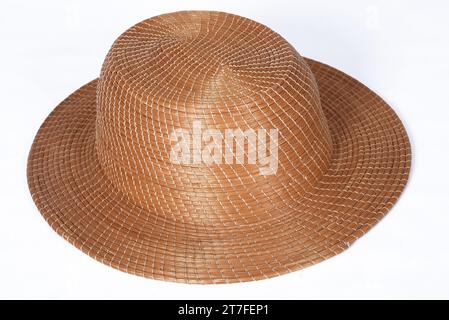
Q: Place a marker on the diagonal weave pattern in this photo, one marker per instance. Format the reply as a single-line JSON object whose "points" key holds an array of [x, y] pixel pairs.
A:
{"points": [[99, 170], [227, 72]]}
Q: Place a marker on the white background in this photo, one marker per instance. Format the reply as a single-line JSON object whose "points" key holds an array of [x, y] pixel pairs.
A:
{"points": [[400, 49]]}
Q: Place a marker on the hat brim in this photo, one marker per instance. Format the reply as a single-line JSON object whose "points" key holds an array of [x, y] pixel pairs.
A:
{"points": [[370, 167]]}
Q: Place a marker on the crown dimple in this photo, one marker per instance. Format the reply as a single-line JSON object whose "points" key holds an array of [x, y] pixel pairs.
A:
{"points": [[223, 71]]}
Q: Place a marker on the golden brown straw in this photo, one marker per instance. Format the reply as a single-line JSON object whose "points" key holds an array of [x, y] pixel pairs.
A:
{"points": [[100, 174]]}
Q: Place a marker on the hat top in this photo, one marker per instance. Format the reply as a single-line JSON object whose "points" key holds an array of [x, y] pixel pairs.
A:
{"points": [[218, 71], [201, 57]]}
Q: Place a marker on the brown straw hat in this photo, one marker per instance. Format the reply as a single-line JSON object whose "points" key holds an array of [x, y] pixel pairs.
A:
{"points": [[331, 156]]}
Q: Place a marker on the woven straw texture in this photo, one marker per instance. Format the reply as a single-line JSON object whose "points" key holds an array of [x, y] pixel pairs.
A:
{"points": [[100, 174]]}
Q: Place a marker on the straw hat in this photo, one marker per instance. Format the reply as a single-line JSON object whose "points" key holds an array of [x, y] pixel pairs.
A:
{"points": [[101, 170]]}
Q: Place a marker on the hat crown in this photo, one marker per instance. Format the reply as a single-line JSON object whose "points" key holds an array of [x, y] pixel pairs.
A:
{"points": [[222, 72]]}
